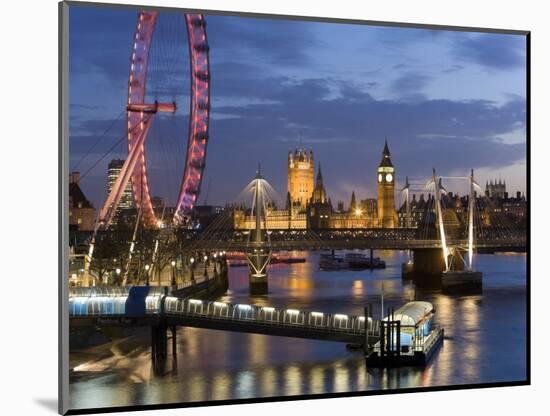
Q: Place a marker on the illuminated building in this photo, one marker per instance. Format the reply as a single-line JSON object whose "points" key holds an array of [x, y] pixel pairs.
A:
{"points": [[498, 211], [309, 206], [387, 216], [496, 190], [81, 211], [276, 219], [319, 210], [300, 178], [418, 211], [113, 170]]}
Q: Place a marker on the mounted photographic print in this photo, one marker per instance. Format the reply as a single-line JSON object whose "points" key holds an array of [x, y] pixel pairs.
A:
{"points": [[259, 207]]}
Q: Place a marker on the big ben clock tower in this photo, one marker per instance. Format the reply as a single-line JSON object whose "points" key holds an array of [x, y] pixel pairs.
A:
{"points": [[387, 216]]}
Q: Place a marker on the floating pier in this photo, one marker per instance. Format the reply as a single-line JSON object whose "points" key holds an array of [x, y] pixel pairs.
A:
{"points": [[408, 337], [454, 279]]}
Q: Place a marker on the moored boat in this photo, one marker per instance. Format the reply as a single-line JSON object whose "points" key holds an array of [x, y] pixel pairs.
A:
{"points": [[359, 261], [332, 262]]}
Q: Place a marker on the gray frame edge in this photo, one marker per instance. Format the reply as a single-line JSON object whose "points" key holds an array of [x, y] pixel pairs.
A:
{"points": [[63, 190], [340, 20], [63, 214]]}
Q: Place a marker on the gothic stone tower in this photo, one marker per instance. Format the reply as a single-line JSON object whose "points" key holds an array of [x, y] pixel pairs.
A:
{"points": [[319, 208], [387, 216], [300, 177]]}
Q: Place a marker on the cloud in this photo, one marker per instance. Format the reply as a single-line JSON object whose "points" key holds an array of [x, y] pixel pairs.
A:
{"points": [[493, 51], [346, 130], [354, 111], [400, 66], [400, 38], [348, 133], [270, 87], [272, 41], [97, 38], [452, 69], [411, 82], [75, 106]]}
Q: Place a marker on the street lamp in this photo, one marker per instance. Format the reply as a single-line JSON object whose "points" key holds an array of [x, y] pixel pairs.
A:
{"points": [[147, 267], [116, 273], [173, 263], [205, 265], [192, 261]]}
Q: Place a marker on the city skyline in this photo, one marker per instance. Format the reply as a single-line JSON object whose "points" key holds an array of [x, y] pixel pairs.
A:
{"points": [[494, 187], [433, 94]]}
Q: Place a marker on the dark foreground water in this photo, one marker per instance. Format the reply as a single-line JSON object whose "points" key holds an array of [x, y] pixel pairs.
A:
{"points": [[485, 341]]}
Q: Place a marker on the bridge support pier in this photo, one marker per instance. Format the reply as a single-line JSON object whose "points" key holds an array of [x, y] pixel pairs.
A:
{"points": [[407, 270], [426, 268], [258, 285], [257, 271], [174, 341], [159, 343], [461, 279]]}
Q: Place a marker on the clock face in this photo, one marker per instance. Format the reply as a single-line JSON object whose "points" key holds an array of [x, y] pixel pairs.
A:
{"points": [[389, 177], [379, 177]]}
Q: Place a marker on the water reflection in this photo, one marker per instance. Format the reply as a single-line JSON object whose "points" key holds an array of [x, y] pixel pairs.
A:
{"points": [[485, 341], [317, 377], [358, 288], [269, 382], [341, 378]]}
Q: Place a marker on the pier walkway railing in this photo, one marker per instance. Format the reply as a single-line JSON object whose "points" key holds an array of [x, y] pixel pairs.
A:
{"points": [[270, 320], [151, 306]]}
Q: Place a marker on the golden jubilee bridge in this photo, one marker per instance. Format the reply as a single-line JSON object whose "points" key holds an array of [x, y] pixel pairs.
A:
{"points": [[483, 227], [490, 239]]}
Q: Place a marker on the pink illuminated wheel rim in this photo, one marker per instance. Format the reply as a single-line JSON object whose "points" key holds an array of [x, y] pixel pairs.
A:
{"points": [[198, 116]]}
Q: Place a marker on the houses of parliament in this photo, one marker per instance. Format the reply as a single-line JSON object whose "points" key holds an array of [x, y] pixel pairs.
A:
{"points": [[309, 206]]}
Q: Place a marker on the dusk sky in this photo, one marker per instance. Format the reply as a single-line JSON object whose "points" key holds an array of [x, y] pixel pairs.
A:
{"points": [[443, 99]]}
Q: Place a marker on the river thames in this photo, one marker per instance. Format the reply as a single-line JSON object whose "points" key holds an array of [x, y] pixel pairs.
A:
{"points": [[485, 341]]}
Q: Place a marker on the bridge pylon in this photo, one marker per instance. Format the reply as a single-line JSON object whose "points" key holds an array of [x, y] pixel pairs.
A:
{"points": [[451, 264], [258, 251], [461, 271]]}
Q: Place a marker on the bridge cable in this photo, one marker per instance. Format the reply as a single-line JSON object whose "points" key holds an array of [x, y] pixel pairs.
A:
{"points": [[97, 141], [118, 142]]}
